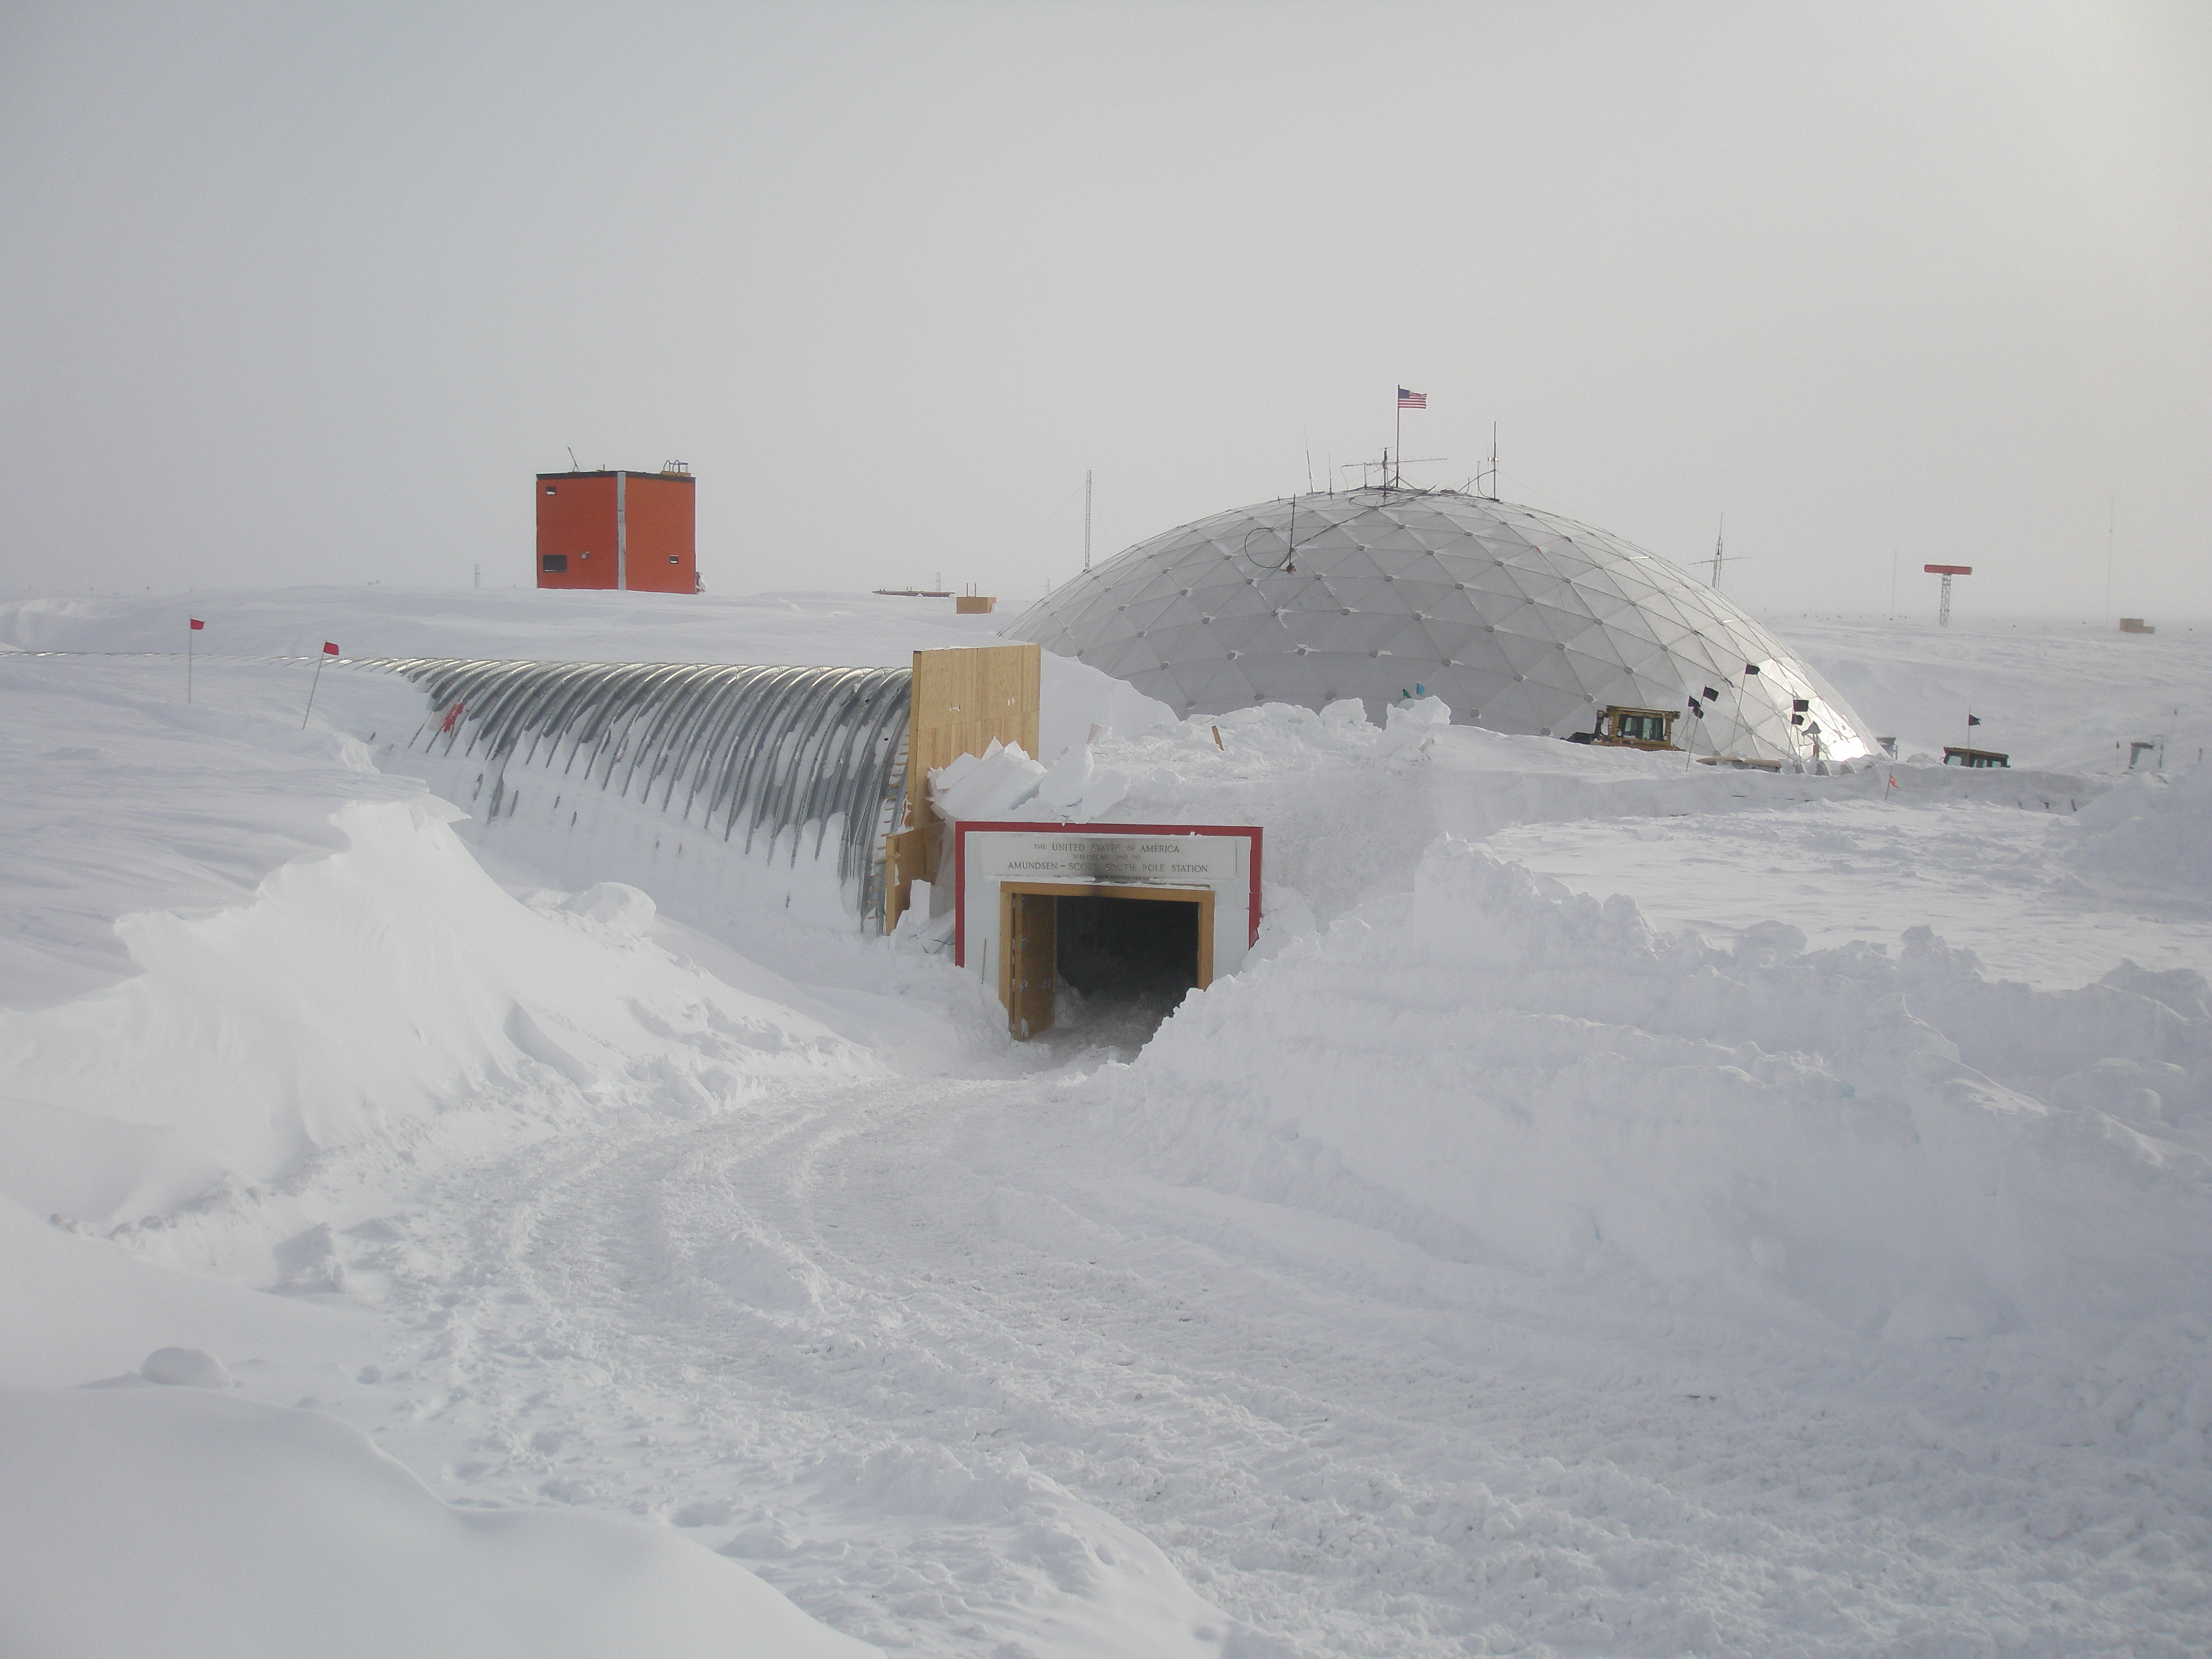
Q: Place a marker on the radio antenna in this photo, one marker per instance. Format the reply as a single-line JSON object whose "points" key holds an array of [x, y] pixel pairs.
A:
{"points": [[1720, 558]]}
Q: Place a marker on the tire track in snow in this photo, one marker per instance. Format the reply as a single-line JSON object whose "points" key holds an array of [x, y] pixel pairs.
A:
{"points": [[872, 1335]]}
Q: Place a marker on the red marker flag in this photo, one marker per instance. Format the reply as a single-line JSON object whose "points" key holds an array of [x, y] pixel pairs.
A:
{"points": [[452, 719], [329, 650], [196, 623]]}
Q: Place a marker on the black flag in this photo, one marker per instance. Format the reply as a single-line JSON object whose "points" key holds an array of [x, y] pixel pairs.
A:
{"points": [[1697, 708], [1750, 668], [1801, 704], [1974, 719], [1710, 693], [1796, 720]]}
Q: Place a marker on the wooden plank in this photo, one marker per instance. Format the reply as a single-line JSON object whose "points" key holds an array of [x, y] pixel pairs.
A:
{"points": [[963, 699], [1029, 957], [905, 853]]}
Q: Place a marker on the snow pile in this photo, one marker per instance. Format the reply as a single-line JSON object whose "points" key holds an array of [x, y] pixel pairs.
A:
{"points": [[2153, 831], [232, 946], [1348, 805], [354, 994], [1495, 1066], [1003, 781], [176, 1521]]}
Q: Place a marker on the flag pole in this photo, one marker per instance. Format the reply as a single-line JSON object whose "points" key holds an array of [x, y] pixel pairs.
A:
{"points": [[188, 663], [1398, 438], [328, 650]]}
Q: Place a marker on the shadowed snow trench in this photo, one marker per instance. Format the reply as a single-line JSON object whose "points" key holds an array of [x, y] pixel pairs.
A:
{"points": [[931, 1361]]}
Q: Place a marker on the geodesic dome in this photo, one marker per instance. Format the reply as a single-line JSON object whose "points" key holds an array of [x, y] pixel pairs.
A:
{"points": [[1520, 620]]}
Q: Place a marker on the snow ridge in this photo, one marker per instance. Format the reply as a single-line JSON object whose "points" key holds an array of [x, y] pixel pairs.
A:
{"points": [[1493, 1064]]}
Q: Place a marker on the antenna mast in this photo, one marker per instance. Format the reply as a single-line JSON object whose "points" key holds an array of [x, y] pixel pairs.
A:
{"points": [[1720, 557], [1086, 518], [2111, 520]]}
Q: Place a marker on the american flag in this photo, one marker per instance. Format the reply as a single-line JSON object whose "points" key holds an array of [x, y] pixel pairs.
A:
{"points": [[1412, 399]]}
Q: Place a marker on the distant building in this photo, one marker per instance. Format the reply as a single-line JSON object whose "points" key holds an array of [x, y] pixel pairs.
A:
{"points": [[618, 530]]}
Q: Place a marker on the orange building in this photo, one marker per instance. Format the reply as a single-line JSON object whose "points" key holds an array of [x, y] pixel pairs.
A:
{"points": [[625, 530]]}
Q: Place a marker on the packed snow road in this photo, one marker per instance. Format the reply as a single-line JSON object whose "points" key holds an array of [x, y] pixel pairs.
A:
{"points": [[932, 1361]]}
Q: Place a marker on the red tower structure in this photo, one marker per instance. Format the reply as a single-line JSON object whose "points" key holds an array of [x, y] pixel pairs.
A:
{"points": [[618, 530], [1946, 571]]}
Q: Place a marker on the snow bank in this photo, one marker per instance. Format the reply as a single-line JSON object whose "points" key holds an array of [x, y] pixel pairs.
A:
{"points": [[1495, 1066], [232, 946], [179, 1521], [354, 995], [2152, 831]]}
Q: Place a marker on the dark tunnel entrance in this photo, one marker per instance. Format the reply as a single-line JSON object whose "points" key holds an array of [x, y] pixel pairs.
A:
{"points": [[1105, 965], [1128, 947]]}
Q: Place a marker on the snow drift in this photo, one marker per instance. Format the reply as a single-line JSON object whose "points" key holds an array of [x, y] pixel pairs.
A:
{"points": [[1902, 1144], [355, 993], [177, 1521], [2154, 831]]}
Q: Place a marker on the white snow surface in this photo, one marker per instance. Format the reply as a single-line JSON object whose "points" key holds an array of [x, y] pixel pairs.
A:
{"points": [[1621, 1209], [171, 1521]]}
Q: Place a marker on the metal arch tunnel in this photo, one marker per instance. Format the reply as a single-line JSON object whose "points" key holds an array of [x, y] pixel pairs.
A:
{"points": [[750, 751]]}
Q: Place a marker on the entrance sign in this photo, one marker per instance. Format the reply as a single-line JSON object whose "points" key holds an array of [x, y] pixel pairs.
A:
{"points": [[1171, 861]]}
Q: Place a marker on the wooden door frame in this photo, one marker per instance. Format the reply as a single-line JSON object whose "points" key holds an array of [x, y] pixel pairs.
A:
{"points": [[1201, 897]]}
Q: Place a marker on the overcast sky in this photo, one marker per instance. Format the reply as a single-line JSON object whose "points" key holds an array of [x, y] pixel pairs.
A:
{"points": [[308, 293]]}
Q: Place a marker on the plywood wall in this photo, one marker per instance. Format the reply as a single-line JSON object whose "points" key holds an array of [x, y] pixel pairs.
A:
{"points": [[962, 700]]}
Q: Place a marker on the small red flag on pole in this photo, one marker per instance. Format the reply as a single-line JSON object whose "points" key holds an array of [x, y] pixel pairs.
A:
{"points": [[452, 719], [329, 650]]}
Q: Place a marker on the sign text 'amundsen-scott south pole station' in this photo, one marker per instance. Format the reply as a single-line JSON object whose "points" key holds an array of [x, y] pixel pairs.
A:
{"points": [[1124, 861]]}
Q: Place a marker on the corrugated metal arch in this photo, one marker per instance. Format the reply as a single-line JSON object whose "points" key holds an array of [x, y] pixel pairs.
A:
{"points": [[760, 749]]}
